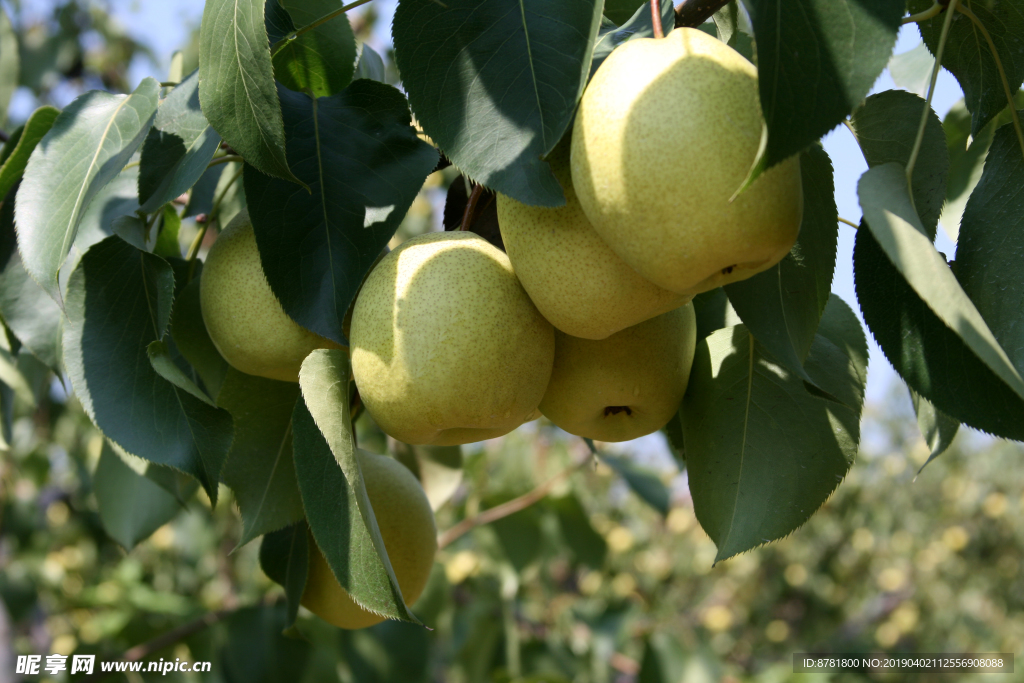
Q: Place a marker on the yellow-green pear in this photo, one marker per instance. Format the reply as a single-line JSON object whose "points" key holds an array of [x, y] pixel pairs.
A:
{"points": [[447, 347], [243, 317], [406, 525], [625, 386], [574, 278], [666, 133]]}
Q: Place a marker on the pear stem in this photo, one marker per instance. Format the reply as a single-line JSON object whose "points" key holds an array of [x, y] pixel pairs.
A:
{"points": [[469, 214], [693, 13], [656, 19]]}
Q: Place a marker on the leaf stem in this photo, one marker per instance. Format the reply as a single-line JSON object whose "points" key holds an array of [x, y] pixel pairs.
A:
{"points": [[1002, 74], [279, 45], [469, 214], [224, 159], [656, 19], [912, 161], [511, 507], [850, 223], [930, 13]]}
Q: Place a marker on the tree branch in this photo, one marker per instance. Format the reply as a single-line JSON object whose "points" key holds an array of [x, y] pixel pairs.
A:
{"points": [[511, 507], [693, 13], [469, 215]]}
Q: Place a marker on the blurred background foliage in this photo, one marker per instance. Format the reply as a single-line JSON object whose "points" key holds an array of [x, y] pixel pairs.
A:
{"points": [[588, 585]]}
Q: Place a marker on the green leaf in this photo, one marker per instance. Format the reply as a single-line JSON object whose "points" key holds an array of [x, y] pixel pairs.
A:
{"points": [[118, 198], [644, 483], [360, 156], [519, 533], [256, 650], [663, 660], [259, 468], [495, 118], [912, 70], [10, 66], [163, 363], [319, 62], [886, 126], [637, 24], [26, 309], [817, 60], [167, 241], [236, 84], [439, 469], [968, 57], [284, 557], [118, 302], [587, 545], [88, 145], [200, 199], [782, 305], [893, 223], [620, 11], [990, 252], [333, 494], [132, 506], [16, 155], [930, 356], [937, 428], [229, 197], [762, 453], [193, 341], [177, 148], [370, 65], [713, 312]]}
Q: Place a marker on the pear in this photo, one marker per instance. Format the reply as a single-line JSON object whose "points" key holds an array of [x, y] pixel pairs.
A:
{"points": [[406, 524], [447, 347], [625, 386], [574, 278], [666, 133], [244, 319]]}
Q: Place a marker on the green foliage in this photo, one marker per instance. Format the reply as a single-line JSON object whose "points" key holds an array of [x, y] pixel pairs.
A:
{"points": [[320, 62]]}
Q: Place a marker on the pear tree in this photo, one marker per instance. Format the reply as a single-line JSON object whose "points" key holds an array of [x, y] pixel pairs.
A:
{"points": [[190, 256]]}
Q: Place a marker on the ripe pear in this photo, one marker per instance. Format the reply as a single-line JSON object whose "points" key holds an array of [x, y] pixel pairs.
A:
{"points": [[243, 317], [625, 386], [406, 525], [574, 278], [447, 347], [666, 133]]}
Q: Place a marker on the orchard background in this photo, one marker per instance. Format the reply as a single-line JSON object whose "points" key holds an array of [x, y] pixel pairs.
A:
{"points": [[604, 577]]}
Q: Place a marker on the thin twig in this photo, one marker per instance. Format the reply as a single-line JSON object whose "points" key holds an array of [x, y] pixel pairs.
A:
{"points": [[930, 13], [511, 507], [469, 214], [999, 67], [693, 13], [163, 640], [224, 160], [656, 18], [309, 27], [928, 102], [850, 223]]}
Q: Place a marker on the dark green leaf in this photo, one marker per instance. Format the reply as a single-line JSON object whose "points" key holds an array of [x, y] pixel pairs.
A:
{"points": [[817, 59], [26, 309], [284, 557], [587, 545], [713, 312], [518, 533], [968, 57], [87, 146], [259, 468], [990, 252], [937, 428], [886, 126], [662, 661], [118, 302], [391, 652], [256, 650], [895, 226], [167, 241], [762, 453], [364, 163], [236, 84], [118, 198], [163, 363], [782, 305], [495, 118], [645, 483], [620, 11], [178, 147], [319, 62], [370, 65], [930, 357], [16, 156], [192, 340], [201, 198], [637, 24], [333, 494], [132, 506]]}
